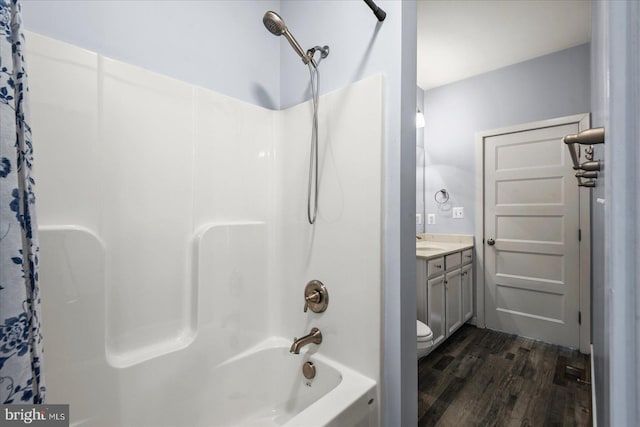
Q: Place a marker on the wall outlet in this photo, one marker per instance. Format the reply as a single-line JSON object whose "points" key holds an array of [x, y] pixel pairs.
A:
{"points": [[418, 219], [431, 219], [458, 213]]}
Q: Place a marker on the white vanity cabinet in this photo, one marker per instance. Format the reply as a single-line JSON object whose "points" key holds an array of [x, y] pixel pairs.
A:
{"points": [[444, 292]]}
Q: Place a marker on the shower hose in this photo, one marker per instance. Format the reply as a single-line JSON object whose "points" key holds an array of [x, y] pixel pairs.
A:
{"points": [[314, 77]]}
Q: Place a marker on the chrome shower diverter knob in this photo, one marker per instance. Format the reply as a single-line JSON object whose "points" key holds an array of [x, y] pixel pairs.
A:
{"points": [[316, 297]]}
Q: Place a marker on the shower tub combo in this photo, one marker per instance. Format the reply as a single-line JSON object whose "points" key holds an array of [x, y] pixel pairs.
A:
{"points": [[167, 299], [261, 386]]}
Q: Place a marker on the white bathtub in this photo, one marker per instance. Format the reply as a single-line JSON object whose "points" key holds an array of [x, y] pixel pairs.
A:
{"points": [[263, 386], [204, 382]]}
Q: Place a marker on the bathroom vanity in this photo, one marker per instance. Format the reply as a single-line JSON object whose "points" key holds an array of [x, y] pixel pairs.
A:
{"points": [[444, 282]]}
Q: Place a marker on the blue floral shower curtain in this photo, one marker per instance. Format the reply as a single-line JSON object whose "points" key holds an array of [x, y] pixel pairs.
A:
{"points": [[21, 380]]}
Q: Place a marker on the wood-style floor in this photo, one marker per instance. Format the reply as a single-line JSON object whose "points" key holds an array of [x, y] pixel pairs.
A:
{"points": [[480, 377]]}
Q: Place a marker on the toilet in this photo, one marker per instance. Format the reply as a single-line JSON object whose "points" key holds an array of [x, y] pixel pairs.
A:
{"points": [[425, 339]]}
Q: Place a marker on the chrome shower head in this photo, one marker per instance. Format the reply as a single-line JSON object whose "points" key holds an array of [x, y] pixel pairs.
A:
{"points": [[275, 25]]}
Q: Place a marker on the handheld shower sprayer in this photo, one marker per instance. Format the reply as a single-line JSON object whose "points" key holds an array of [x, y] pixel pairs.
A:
{"points": [[275, 25]]}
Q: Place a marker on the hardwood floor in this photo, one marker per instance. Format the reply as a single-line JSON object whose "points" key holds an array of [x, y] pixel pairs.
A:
{"points": [[480, 377]]}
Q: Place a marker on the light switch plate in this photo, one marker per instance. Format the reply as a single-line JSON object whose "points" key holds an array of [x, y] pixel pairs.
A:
{"points": [[418, 219], [458, 213], [431, 219]]}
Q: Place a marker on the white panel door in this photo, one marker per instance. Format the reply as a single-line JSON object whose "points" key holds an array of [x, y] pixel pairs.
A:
{"points": [[532, 215]]}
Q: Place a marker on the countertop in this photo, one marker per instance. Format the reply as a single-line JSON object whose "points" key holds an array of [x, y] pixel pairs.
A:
{"points": [[429, 246]]}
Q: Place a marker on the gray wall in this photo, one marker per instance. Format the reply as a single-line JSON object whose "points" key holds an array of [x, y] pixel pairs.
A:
{"points": [[220, 45], [420, 165], [360, 46], [550, 86], [599, 117], [616, 290]]}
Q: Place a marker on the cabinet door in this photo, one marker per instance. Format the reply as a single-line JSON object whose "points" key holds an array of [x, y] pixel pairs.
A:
{"points": [[421, 291], [436, 308], [467, 293], [453, 286]]}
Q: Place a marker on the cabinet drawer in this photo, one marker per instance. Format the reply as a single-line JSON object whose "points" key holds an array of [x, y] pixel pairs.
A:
{"points": [[453, 260], [435, 266], [467, 256]]}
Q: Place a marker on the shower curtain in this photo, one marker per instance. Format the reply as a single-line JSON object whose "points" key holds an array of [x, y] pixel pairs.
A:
{"points": [[21, 378]]}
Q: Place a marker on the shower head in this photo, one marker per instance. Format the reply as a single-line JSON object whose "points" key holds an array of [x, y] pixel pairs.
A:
{"points": [[275, 25]]}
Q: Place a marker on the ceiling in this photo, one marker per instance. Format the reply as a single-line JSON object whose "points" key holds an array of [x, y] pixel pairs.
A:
{"points": [[463, 38]]}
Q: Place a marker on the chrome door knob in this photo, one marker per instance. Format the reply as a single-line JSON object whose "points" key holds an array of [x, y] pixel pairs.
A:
{"points": [[491, 242]]}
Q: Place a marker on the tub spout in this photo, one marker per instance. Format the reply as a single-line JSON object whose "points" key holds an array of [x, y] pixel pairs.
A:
{"points": [[314, 337]]}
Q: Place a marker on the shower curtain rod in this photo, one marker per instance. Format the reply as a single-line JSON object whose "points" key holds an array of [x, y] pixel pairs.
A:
{"points": [[380, 14]]}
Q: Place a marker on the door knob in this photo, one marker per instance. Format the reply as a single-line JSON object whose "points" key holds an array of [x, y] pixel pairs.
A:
{"points": [[491, 242]]}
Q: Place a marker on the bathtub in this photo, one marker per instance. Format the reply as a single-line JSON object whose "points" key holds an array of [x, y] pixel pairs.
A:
{"points": [[263, 386], [204, 382]]}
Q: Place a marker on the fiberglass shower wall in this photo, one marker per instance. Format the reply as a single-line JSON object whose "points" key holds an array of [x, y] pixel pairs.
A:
{"points": [[135, 173], [174, 234]]}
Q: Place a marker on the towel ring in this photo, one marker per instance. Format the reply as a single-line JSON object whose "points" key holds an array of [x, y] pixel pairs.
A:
{"points": [[441, 196]]}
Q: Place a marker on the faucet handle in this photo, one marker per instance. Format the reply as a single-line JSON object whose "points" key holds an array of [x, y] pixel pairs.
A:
{"points": [[316, 297]]}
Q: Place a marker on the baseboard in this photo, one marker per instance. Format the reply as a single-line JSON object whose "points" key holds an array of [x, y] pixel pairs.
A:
{"points": [[593, 392]]}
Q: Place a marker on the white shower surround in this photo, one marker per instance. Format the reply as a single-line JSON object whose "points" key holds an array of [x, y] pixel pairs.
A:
{"points": [[174, 237]]}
